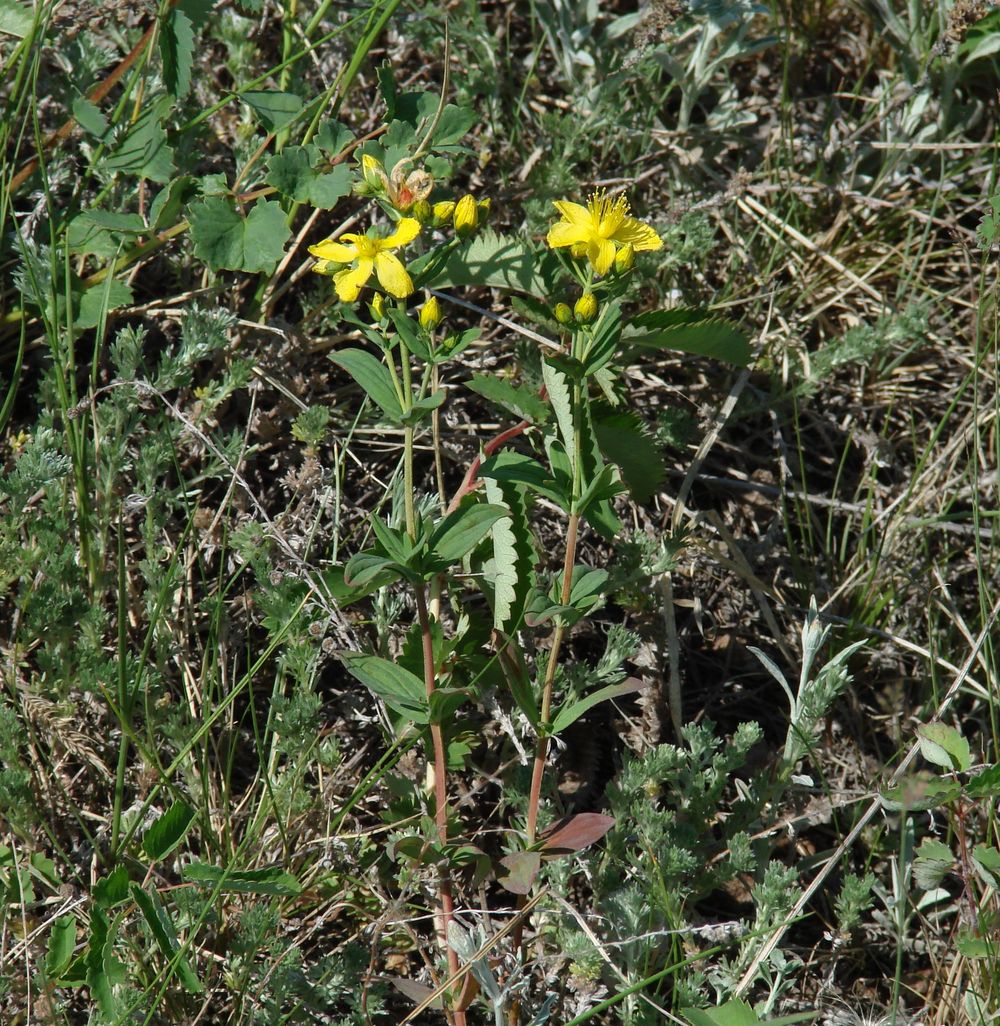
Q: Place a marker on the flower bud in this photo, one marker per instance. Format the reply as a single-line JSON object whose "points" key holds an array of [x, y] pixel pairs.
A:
{"points": [[625, 258], [441, 212], [563, 313], [377, 306], [484, 210], [430, 314], [466, 215], [372, 172], [421, 210], [585, 308]]}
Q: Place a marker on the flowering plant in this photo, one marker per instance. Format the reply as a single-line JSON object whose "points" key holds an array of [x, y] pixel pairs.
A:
{"points": [[568, 439]]}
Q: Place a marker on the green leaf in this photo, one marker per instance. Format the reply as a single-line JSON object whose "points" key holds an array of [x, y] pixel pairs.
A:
{"points": [[574, 710], [99, 300], [168, 831], [421, 408], [739, 1013], [112, 889], [291, 172], [625, 441], [226, 240], [605, 485], [561, 399], [461, 531], [62, 943], [453, 126], [932, 864], [373, 377], [510, 573], [516, 468], [101, 232], [333, 138], [410, 332], [177, 52], [165, 210], [275, 109], [273, 881], [89, 117], [102, 966], [395, 542], [973, 947], [690, 331], [491, 260], [401, 690], [944, 746], [366, 569], [920, 793], [522, 402], [162, 928], [985, 784], [144, 152], [15, 19], [605, 339], [986, 862]]}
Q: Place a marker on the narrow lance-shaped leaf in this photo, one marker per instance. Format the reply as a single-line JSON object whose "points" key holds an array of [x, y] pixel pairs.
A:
{"points": [[162, 928], [397, 687], [168, 831], [273, 880], [373, 377], [461, 531], [574, 710], [691, 331]]}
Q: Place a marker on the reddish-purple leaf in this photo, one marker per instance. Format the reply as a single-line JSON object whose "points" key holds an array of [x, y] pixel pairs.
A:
{"points": [[522, 868], [576, 833]]}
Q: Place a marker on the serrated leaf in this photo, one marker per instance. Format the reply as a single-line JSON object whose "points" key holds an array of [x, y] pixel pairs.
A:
{"points": [[576, 833], [227, 241], [920, 793], [144, 151], [177, 52], [100, 299], [689, 331], [561, 399], [291, 173], [625, 441], [516, 468], [89, 117], [520, 401], [373, 377], [462, 530], [490, 260], [272, 881], [275, 109], [100, 962], [401, 690], [162, 928], [511, 571], [985, 784], [521, 868], [168, 831], [101, 232], [454, 124], [62, 944], [932, 864], [333, 138], [112, 889], [944, 746], [574, 710]]}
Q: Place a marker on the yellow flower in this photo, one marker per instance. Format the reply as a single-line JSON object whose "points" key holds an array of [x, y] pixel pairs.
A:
{"points": [[366, 255], [466, 215], [599, 229]]}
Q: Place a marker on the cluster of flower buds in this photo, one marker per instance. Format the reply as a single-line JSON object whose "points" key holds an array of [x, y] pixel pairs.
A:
{"points": [[583, 312]]}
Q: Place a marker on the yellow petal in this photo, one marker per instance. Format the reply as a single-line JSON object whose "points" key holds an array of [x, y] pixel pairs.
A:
{"points": [[392, 275], [348, 282], [574, 213], [640, 236], [406, 231], [335, 251], [601, 254], [563, 234]]}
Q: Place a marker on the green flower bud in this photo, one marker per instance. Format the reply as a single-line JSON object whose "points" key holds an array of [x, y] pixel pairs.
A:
{"points": [[377, 306], [585, 308], [421, 210], [563, 313]]}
